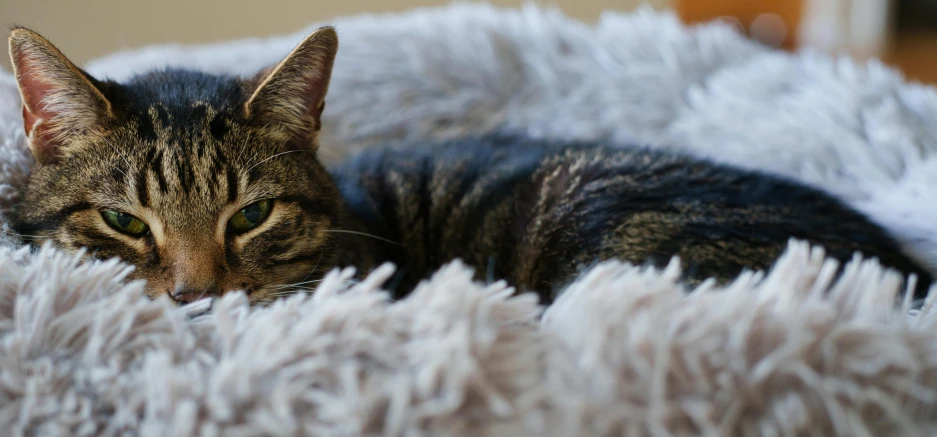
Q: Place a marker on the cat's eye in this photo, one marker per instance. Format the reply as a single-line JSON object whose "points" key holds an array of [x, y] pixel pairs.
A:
{"points": [[251, 216], [125, 223]]}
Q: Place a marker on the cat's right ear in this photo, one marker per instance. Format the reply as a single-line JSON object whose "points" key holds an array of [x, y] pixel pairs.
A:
{"points": [[290, 97], [59, 100]]}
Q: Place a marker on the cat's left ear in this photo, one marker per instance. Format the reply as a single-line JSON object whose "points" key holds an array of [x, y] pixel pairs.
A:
{"points": [[290, 97], [59, 100]]}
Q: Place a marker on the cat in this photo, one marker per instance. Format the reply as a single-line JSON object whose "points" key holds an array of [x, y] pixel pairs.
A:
{"points": [[210, 183]]}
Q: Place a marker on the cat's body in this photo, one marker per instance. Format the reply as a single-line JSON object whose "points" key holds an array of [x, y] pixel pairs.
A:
{"points": [[535, 212], [209, 184]]}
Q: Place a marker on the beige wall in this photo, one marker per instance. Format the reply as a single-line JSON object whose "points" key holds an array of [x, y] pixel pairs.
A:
{"points": [[85, 29]]}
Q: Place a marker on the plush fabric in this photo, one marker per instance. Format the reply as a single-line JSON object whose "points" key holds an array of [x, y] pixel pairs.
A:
{"points": [[623, 351]]}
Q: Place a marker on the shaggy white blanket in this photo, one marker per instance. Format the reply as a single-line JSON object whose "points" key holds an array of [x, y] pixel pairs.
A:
{"points": [[623, 352]]}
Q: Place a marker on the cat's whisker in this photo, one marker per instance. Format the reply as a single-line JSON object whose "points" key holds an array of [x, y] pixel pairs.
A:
{"points": [[364, 234], [275, 287], [307, 282], [21, 235], [248, 138], [257, 152], [298, 288], [314, 268], [279, 294], [274, 156], [291, 291], [119, 153], [299, 285], [281, 287]]}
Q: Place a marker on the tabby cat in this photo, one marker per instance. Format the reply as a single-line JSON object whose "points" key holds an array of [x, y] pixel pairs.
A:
{"points": [[209, 184]]}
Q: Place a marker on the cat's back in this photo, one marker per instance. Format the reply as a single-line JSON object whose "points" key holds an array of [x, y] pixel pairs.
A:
{"points": [[604, 178], [541, 210]]}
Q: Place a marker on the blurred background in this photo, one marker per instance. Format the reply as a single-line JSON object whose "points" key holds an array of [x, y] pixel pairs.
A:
{"points": [[903, 33]]}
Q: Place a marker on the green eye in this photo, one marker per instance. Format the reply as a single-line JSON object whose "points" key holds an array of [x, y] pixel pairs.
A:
{"points": [[125, 223], [250, 217]]}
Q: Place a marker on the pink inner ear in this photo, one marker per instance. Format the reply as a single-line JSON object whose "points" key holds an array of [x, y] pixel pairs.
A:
{"points": [[29, 121], [35, 90], [44, 145], [38, 117], [312, 96], [31, 116]]}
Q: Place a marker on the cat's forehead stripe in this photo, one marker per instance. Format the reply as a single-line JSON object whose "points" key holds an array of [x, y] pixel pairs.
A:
{"points": [[232, 183], [186, 167], [143, 195], [156, 165]]}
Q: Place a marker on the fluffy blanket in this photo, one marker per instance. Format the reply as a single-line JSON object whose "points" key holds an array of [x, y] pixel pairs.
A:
{"points": [[624, 351]]}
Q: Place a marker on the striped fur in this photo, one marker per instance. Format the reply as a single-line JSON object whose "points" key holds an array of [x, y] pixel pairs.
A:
{"points": [[537, 213], [184, 151]]}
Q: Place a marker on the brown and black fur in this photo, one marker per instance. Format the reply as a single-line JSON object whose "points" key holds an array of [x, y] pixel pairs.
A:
{"points": [[183, 151], [536, 212]]}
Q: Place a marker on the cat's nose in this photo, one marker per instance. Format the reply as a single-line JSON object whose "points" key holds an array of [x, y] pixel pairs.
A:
{"points": [[186, 295]]}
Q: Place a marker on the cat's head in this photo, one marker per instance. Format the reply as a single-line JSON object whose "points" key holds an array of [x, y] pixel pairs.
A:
{"points": [[207, 184]]}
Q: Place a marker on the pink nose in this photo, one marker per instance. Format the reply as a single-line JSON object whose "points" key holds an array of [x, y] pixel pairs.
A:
{"points": [[186, 295]]}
